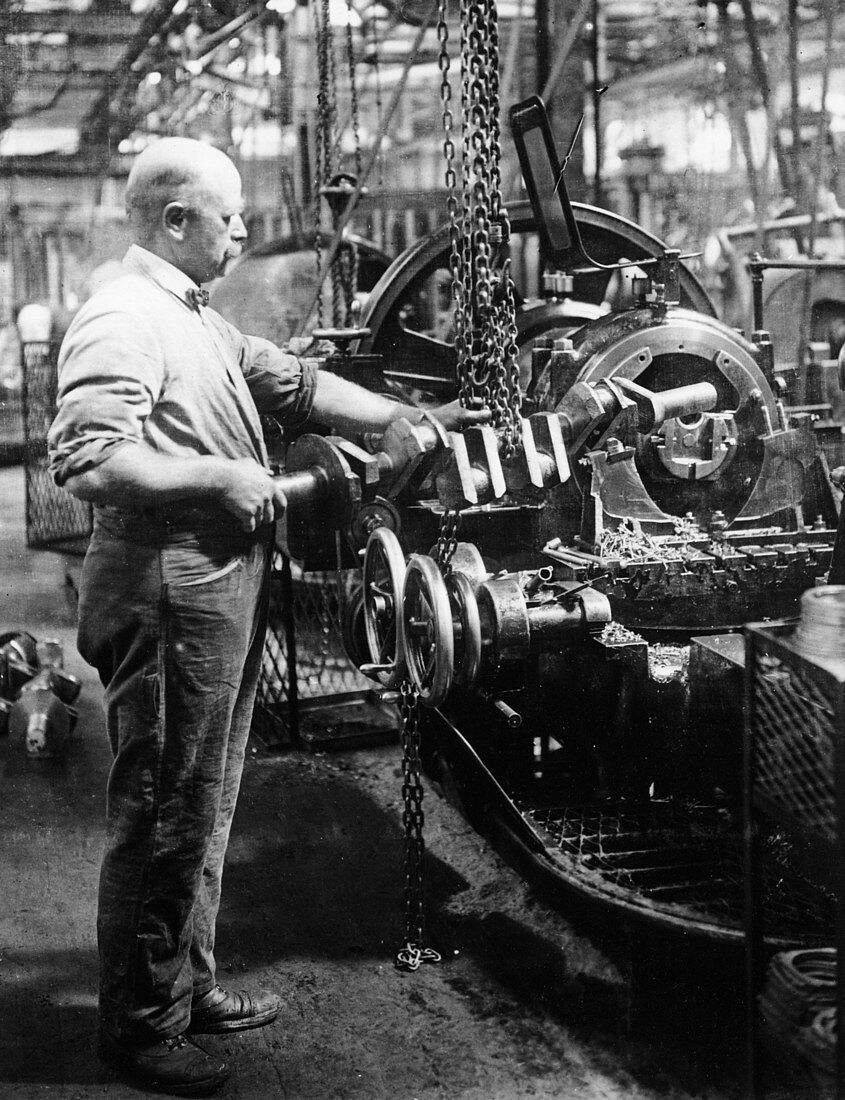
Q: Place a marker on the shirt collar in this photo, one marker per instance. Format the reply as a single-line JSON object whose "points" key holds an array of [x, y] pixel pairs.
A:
{"points": [[162, 273]]}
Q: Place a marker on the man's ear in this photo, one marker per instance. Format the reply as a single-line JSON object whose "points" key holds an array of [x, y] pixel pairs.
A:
{"points": [[173, 218]]}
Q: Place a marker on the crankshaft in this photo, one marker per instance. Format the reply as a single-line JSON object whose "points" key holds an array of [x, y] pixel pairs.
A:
{"points": [[467, 468]]}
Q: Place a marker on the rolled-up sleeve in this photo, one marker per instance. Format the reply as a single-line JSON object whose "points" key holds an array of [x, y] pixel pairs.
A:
{"points": [[281, 384], [109, 378]]}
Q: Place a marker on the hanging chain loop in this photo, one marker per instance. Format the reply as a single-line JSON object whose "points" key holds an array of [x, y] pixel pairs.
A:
{"points": [[328, 179], [485, 306], [447, 539], [413, 953], [323, 149]]}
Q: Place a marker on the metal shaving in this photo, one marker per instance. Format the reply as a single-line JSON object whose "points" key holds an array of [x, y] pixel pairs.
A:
{"points": [[687, 529], [629, 543], [617, 634], [668, 662]]}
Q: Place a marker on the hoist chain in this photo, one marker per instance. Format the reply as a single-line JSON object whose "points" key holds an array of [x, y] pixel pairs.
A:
{"points": [[347, 258], [323, 129], [339, 302], [376, 70], [507, 363], [353, 87], [345, 281], [344, 268], [333, 136], [485, 306], [447, 540], [414, 953], [456, 266]]}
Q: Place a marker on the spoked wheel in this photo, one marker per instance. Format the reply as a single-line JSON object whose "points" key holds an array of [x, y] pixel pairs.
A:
{"points": [[384, 577], [409, 311], [466, 628], [428, 642]]}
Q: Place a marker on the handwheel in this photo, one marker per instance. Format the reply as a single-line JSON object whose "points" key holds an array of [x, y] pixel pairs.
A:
{"points": [[428, 642], [384, 576], [466, 624]]}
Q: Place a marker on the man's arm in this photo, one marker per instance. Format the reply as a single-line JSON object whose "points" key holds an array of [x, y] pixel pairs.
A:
{"points": [[346, 406], [285, 382], [136, 473]]}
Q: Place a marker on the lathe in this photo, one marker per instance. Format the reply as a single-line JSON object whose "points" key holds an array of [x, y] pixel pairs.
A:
{"points": [[564, 589]]}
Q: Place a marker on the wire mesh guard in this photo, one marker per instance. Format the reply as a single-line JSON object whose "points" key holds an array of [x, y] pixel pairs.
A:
{"points": [[304, 661], [794, 743], [679, 861], [796, 713], [54, 518]]}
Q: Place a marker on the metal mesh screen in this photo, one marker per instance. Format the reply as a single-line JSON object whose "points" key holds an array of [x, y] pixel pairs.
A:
{"points": [[54, 518], [795, 722], [683, 858], [794, 730], [304, 658]]}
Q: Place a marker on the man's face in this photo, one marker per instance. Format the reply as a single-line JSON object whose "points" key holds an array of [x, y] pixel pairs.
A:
{"points": [[213, 228]]}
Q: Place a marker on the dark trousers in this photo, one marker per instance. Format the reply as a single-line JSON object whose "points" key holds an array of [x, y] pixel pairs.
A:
{"points": [[174, 622]]}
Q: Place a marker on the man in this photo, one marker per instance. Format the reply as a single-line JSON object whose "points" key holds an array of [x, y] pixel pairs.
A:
{"points": [[158, 426]]}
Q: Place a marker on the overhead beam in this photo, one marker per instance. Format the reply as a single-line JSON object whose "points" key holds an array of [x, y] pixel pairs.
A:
{"points": [[60, 165], [78, 25], [96, 127], [81, 74]]}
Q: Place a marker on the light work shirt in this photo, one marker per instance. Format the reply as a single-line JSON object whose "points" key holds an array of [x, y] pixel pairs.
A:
{"points": [[141, 364]]}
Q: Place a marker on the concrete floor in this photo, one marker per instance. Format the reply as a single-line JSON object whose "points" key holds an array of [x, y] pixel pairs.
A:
{"points": [[524, 1005]]}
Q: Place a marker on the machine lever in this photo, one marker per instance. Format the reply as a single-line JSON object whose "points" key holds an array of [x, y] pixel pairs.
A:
{"points": [[512, 717], [569, 594]]}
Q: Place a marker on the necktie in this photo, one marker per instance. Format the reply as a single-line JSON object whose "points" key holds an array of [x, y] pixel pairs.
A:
{"points": [[197, 297]]}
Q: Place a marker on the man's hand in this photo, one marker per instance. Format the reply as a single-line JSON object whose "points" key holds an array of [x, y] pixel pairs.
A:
{"points": [[249, 492], [454, 416]]}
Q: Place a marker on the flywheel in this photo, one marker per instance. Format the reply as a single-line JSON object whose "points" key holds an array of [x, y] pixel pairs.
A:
{"points": [[409, 312]]}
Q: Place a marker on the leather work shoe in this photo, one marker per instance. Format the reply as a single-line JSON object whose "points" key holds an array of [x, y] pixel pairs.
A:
{"points": [[220, 1011], [175, 1065]]}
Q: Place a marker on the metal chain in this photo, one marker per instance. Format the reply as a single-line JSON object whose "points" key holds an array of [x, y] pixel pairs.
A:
{"points": [[476, 207], [322, 137], [339, 301], [333, 135], [507, 364], [456, 266], [414, 953], [344, 270], [347, 257], [332, 140], [485, 309], [353, 88], [447, 540], [345, 281], [376, 67]]}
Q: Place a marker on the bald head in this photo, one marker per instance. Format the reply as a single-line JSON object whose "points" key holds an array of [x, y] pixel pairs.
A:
{"points": [[184, 201], [173, 169]]}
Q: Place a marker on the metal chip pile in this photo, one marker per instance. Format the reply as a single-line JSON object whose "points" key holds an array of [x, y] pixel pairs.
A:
{"points": [[629, 543], [617, 634], [667, 662]]}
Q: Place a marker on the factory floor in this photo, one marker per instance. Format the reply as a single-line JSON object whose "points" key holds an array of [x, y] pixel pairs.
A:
{"points": [[525, 1004]]}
